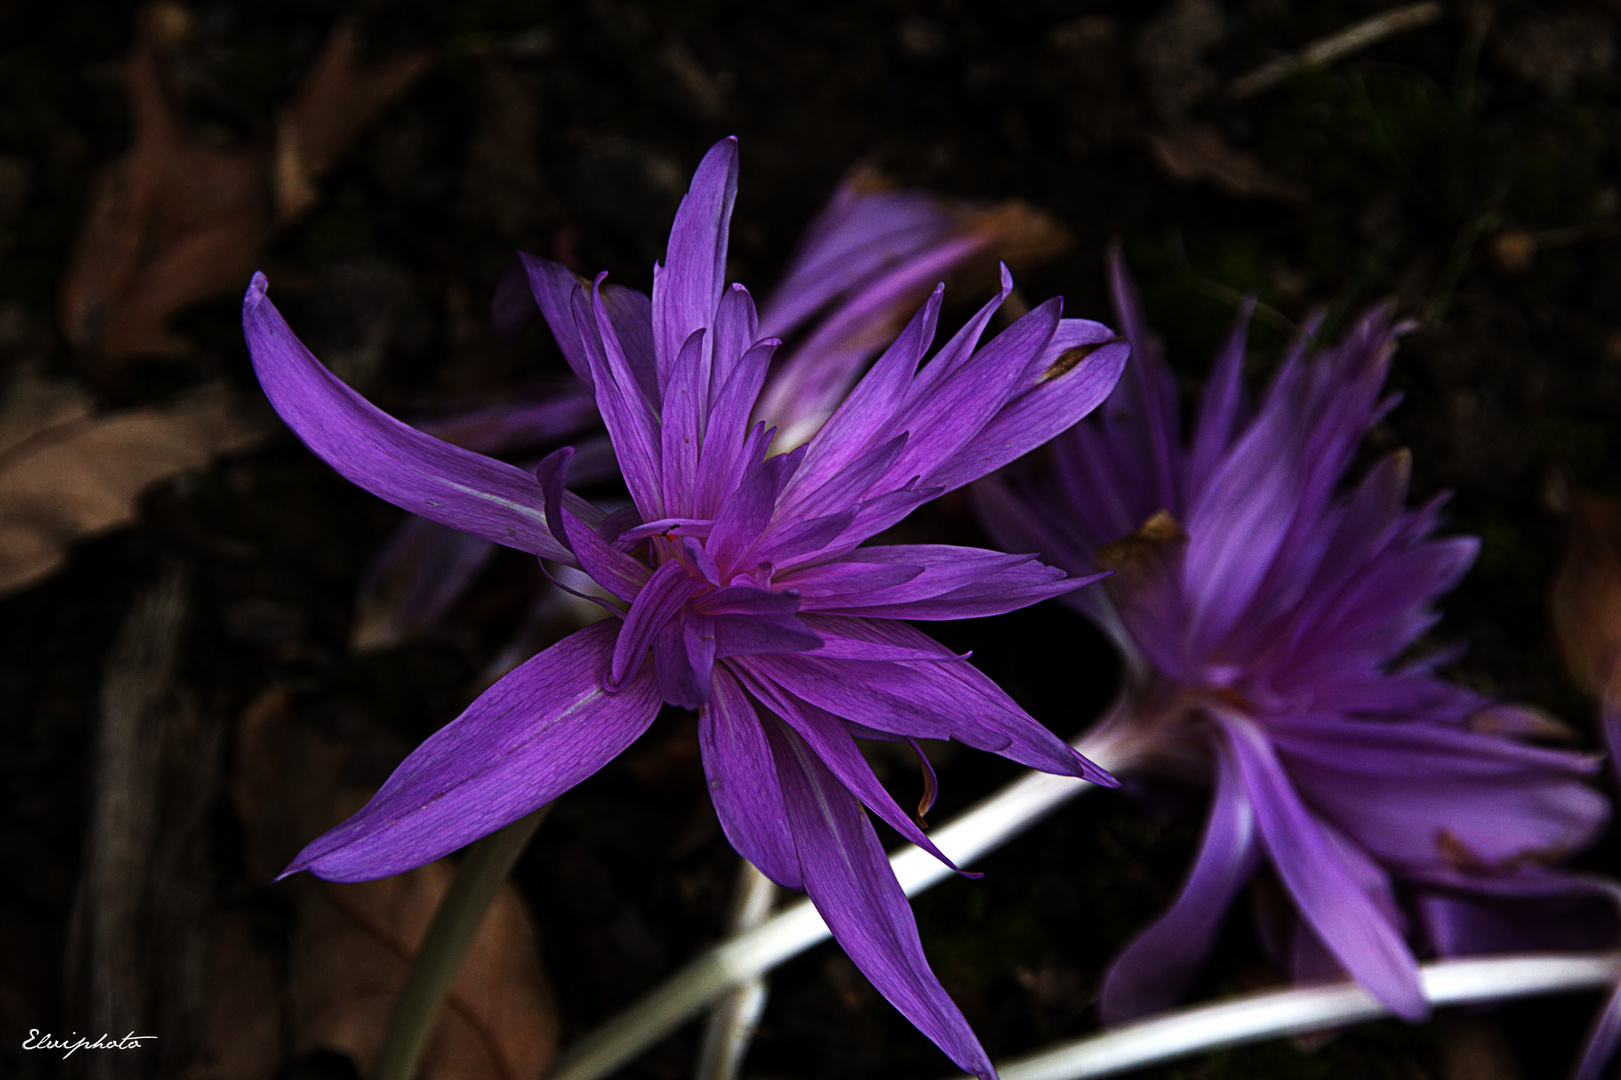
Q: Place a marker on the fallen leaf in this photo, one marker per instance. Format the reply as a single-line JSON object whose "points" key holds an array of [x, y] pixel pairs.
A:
{"points": [[241, 1036], [337, 99], [354, 942], [1586, 599], [176, 220], [66, 474], [1192, 152]]}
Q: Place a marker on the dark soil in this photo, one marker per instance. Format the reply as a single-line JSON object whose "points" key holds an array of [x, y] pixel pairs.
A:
{"points": [[1427, 164]]}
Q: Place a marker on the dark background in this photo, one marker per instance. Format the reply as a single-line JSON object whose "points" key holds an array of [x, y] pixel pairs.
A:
{"points": [[1467, 168]]}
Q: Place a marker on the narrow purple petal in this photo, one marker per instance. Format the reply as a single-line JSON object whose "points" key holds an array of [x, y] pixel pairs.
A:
{"points": [[1156, 969], [1419, 795], [723, 458], [666, 593], [1223, 400], [416, 578], [545, 417], [686, 406], [607, 565], [416, 472], [830, 741], [743, 781], [526, 740], [847, 875], [687, 288], [625, 409], [1330, 897], [737, 329], [1076, 372]]}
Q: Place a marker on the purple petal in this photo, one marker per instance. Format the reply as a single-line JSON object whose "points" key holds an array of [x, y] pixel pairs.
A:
{"points": [[1045, 406], [413, 581], [1419, 795], [922, 700], [625, 409], [1223, 399], [666, 593], [684, 659], [1156, 969], [724, 457], [416, 472], [526, 740], [743, 781], [1328, 893], [828, 739], [546, 417], [948, 583], [847, 875], [687, 288], [737, 329], [685, 408], [607, 565]]}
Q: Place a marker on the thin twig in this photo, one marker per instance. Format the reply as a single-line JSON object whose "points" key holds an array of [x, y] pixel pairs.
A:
{"points": [[1353, 38], [984, 827], [1276, 1014], [731, 1025]]}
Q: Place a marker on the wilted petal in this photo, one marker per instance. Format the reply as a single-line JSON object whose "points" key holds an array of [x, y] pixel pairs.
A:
{"points": [[1155, 970], [415, 472], [847, 875], [526, 740]]}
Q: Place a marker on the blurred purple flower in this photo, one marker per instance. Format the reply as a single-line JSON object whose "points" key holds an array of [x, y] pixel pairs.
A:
{"points": [[864, 265], [740, 571], [1263, 614]]}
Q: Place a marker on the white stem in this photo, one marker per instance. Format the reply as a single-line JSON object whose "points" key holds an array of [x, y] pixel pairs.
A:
{"points": [[984, 827], [1275, 1014], [732, 1024]]}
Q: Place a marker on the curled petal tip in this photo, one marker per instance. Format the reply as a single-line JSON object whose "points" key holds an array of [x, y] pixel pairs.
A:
{"points": [[256, 290]]}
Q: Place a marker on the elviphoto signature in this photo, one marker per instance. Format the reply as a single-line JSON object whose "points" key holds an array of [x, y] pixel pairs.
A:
{"points": [[76, 1042]]}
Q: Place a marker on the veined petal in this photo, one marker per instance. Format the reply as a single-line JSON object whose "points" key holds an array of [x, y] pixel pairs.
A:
{"points": [[1156, 969], [687, 288], [743, 781], [847, 875], [724, 456], [685, 408], [1328, 893], [526, 740], [1074, 374], [737, 329], [828, 739], [416, 472], [668, 591], [625, 409], [607, 565]]}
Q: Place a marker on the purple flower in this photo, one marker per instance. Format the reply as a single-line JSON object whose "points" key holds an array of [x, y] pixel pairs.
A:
{"points": [[865, 263], [741, 572], [1263, 613]]}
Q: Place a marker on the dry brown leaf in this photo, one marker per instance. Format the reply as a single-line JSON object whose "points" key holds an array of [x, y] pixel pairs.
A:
{"points": [[66, 474], [337, 99], [1192, 152], [176, 220], [354, 941], [350, 958], [1587, 594], [241, 1036]]}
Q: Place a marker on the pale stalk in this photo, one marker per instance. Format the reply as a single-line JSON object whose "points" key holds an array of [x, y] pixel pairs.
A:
{"points": [[732, 1023], [479, 878], [984, 827], [1277, 1014]]}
